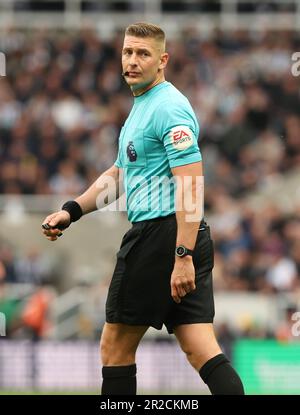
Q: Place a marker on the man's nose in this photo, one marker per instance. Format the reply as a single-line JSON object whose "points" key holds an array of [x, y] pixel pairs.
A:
{"points": [[133, 60]]}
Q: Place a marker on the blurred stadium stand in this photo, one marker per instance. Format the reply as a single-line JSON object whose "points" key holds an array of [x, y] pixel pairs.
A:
{"points": [[111, 14], [62, 105]]}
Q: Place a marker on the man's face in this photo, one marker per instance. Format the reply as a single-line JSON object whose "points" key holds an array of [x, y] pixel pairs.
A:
{"points": [[142, 58]]}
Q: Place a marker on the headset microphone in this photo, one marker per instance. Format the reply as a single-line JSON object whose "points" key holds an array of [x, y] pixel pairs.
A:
{"points": [[125, 73]]}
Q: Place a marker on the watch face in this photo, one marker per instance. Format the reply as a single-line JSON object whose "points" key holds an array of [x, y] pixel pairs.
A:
{"points": [[180, 250]]}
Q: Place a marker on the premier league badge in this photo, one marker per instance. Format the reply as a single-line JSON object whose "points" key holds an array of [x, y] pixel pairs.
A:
{"points": [[131, 152]]}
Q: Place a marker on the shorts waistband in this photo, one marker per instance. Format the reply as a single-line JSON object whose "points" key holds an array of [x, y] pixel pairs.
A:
{"points": [[163, 218]]}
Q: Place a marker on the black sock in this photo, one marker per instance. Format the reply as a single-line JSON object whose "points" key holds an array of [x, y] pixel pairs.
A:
{"points": [[119, 380], [220, 377]]}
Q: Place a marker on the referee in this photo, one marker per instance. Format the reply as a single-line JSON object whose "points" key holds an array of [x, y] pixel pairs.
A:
{"points": [[163, 273]]}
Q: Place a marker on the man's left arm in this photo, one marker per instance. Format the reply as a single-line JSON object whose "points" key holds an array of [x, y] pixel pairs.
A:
{"points": [[189, 212]]}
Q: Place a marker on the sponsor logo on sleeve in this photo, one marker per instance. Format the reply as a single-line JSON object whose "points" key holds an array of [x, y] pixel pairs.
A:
{"points": [[181, 137]]}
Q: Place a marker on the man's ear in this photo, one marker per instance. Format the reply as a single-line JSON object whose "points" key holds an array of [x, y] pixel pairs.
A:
{"points": [[163, 60]]}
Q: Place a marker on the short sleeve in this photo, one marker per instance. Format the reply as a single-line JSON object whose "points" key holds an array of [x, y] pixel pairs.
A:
{"points": [[177, 127], [118, 161]]}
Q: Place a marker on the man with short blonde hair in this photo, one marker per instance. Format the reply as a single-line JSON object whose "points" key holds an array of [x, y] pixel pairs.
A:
{"points": [[163, 274]]}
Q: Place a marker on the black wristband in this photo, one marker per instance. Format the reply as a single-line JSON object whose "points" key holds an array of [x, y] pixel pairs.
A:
{"points": [[74, 210]]}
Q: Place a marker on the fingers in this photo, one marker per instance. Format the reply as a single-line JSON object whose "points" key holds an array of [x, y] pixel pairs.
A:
{"points": [[49, 231], [175, 295], [188, 287], [53, 221], [53, 237], [49, 228], [179, 290]]}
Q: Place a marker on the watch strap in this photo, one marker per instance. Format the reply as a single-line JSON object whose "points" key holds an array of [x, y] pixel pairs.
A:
{"points": [[183, 254]]}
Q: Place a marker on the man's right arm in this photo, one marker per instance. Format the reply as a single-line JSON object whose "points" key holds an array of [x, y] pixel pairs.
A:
{"points": [[108, 184], [103, 191]]}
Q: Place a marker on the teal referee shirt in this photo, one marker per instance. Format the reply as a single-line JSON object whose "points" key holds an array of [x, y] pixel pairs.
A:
{"points": [[161, 132]]}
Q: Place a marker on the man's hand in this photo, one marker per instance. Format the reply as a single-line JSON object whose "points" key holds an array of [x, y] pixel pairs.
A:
{"points": [[55, 223], [182, 278]]}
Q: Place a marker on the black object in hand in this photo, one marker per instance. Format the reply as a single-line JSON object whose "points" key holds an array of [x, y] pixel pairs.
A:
{"points": [[47, 227]]}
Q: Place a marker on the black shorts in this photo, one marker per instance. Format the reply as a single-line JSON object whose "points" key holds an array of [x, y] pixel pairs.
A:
{"points": [[140, 290]]}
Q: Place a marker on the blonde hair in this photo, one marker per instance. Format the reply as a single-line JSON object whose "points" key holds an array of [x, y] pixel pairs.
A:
{"points": [[143, 29]]}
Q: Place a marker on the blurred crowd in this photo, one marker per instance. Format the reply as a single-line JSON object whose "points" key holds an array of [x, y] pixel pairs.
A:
{"points": [[63, 103]]}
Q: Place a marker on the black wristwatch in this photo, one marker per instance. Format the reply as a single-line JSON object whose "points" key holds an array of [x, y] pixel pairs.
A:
{"points": [[182, 251]]}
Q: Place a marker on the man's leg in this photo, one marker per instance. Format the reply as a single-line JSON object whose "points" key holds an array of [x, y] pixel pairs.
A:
{"points": [[200, 345], [118, 346]]}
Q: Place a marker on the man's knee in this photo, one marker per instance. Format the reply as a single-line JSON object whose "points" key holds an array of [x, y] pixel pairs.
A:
{"points": [[114, 353], [198, 342], [117, 346], [197, 358]]}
